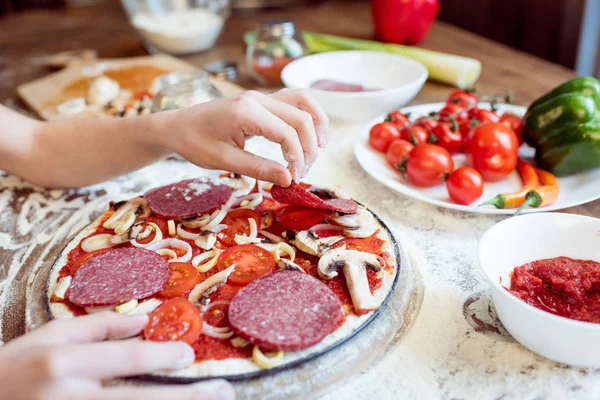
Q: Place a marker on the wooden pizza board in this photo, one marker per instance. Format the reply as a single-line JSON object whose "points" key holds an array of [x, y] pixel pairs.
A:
{"points": [[44, 94]]}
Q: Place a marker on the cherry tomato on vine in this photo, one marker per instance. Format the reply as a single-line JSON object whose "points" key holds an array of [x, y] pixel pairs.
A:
{"points": [[482, 115], [382, 135], [454, 111], [464, 185], [416, 135], [427, 123], [514, 122], [448, 138], [398, 119], [493, 150], [464, 98], [428, 165], [398, 152]]}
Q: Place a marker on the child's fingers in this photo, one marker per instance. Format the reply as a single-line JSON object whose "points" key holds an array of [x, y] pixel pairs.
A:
{"points": [[245, 163]]}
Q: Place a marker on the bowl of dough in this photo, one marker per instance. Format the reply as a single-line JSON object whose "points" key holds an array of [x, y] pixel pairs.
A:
{"points": [[177, 27]]}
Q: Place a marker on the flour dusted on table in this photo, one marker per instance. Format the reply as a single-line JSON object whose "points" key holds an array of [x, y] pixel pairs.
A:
{"points": [[180, 31]]}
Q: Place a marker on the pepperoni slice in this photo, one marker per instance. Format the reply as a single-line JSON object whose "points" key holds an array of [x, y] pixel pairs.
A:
{"points": [[300, 218], [237, 223], [175, 319], [117, 276], [188, 198], [285, 310], [86, 257], [298, 195], [183, 278], [251, 262]]}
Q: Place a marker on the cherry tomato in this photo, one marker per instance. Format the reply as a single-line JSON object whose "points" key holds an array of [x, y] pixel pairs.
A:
{"points": [[455, 112], [86, 257], [160, 222], [251, 262], [464, 185], [514, 122], [427, 123], [428, 165], [183, 278], [463, 98], [397, 154], [175, 319], [237, 224], [483, 115], [448, 138], [398, 119], [493, 150], [382, 135], [416, 135], [300, 218]]}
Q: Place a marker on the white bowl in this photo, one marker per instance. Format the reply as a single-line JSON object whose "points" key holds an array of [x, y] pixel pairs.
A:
{"points": [[519, 240], [397, 80]]}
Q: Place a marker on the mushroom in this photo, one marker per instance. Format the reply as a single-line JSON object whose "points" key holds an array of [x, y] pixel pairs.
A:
{"points": [[354, 265], [241, 185], [310, 243], [200, 294], [123, 211], [361, 224], [102, 241], [266, 220], [206, 240], [196, 222], [329, 192], [286, 264]]}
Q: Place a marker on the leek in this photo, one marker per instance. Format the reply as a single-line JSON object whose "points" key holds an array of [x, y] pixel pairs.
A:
{"points": [[445, 68]]}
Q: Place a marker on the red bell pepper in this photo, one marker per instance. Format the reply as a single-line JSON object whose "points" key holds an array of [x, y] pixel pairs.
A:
{"points": [[403, 21]]}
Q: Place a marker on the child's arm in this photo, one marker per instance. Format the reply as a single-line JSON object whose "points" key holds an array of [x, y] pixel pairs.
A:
{"points": [[74, 153]]}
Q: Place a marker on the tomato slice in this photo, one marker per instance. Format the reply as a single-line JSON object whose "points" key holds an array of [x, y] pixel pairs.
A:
{"points": [[268, 205], [183, 278], [300, 218], [237, 223], [86, 257], [217, 315], [225, 293], [161, 223], [175, 319], [251, 262], [372, 244], [324, 233]]}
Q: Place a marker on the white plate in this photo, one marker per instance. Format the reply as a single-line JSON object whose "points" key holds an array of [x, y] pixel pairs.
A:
{"points": [[574, 190]]}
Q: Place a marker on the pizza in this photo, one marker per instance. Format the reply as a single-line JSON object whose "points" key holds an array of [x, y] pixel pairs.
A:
{"points": [[253, 276]]}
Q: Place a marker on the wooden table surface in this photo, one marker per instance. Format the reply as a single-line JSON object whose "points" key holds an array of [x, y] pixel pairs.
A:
{"points": [[26, 38]]}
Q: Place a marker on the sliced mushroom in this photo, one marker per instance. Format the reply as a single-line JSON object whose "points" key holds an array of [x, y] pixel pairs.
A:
{"points": [[200, 294], [332, 192], [102, 241], [241, 185], [310, 243], [206, 240], [286, 264], [361, 224], [197, 222], [122, 211], [266, 220], [102, 90], [354, 266]]}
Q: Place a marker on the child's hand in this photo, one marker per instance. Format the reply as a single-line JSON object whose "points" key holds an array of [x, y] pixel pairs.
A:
{"points": [[68, 359], [213, 135]]}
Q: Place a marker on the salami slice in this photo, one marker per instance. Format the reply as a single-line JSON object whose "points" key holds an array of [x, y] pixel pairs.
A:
{"points": [[285, 310], [189, 198], [118, 276], [297, 195]]}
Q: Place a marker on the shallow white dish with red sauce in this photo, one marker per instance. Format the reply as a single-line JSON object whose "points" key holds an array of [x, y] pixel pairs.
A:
{"points": [[392, 81], [524, 239], [576, 189]]}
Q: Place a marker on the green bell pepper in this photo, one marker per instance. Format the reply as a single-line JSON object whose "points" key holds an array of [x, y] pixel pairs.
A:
{"points": [[564, 127]]}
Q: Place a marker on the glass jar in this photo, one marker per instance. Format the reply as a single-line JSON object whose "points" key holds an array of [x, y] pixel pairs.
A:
{"points": [[184, 89], [276, 44]]}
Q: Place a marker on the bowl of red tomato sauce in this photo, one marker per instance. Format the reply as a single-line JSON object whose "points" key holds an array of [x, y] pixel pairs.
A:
{"points": [[357, 85], [544, 275]]}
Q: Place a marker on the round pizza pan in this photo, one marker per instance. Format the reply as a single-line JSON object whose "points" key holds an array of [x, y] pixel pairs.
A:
{"points": [[396, 321]]}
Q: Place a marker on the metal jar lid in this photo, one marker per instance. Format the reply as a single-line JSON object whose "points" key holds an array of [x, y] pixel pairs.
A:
{"points": [[222, 69]]}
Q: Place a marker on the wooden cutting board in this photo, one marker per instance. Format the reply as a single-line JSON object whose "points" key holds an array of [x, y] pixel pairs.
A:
{"points": [[45, 94]]}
